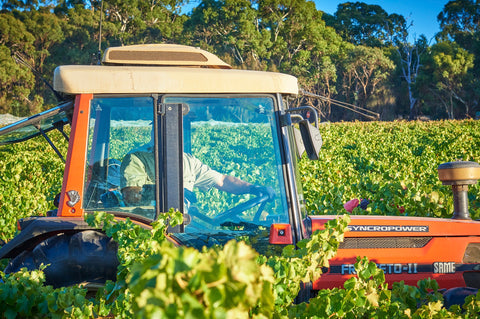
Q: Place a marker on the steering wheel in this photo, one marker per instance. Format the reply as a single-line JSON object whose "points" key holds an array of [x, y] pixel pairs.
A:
{"points": [[233, 213]]}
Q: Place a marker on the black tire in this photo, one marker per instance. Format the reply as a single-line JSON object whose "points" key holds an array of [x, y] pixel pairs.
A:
{"points": [[87, 257], [457, 296]]}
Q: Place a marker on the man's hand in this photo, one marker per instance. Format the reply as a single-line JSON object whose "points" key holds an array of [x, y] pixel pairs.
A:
{"points": [[235, 185], [262, 190], [132, 195]]}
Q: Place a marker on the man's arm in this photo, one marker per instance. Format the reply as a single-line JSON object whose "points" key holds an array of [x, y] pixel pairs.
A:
{"points": [[205, 177]]}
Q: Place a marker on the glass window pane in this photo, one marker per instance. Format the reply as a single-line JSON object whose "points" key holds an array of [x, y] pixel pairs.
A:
{"points": [[234, 137], [25, 129], [119, 128]]}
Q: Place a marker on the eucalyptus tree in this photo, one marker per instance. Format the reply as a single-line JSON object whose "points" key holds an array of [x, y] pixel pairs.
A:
{"points": [[363, 71], [294, 27], [24, 5], [304, 46], [164, 21], [33, 30], [82, 31], [16, 81], [231, 29], [460, 22], [443, 78], [366, 24], [408, 62], [142, 21]]}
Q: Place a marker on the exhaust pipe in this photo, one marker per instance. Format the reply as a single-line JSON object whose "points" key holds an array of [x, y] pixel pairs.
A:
{"points": [[459, 174]]}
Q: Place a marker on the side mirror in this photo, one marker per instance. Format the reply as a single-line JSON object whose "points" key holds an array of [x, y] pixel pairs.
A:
{"points": [[312, 139], [307, 137]]}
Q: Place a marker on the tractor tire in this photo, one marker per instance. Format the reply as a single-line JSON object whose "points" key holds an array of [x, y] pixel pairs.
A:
{"points": [[457, 296], [87, 258]]}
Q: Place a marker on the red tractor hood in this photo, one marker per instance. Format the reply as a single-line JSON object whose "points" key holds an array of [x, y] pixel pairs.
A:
{"points": [[407, 249], [398, 226]]}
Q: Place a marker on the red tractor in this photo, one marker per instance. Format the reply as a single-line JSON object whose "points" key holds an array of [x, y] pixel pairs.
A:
{"points": [[167, 126]]}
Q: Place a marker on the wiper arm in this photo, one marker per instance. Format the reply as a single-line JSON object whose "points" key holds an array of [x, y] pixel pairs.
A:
{"points": [[50, 141], [245, 225], [59, 126]]}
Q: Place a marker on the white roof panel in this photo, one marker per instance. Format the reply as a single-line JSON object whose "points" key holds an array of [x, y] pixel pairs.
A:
{"points": [[96, 79]]}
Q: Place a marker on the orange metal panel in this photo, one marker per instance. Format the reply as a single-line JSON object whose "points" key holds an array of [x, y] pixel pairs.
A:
{"points": [[439, 249], [73, 177]]}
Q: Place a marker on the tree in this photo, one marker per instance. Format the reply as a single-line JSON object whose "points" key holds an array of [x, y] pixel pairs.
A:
{"points": [[16, 81], [459, 21], [230, 28], [143, 21], [304, 46], [47, 29], [409, 55], [81, 28], [363, 70], [444, 76], [364, 24], [126, 17], [163, 21], [296, 26], [23, 5]]}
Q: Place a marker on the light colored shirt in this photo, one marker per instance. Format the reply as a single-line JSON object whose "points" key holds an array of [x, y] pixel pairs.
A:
{"points": [[138, 169]]}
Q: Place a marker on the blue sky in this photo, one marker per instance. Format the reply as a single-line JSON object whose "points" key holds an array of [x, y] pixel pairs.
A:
{"points": [[423, 13]]}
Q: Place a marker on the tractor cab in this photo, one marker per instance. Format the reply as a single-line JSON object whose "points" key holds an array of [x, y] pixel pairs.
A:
{"points": [[162, 126], [147, 154]]}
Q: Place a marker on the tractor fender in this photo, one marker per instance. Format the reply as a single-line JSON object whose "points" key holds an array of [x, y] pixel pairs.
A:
{"points": [[37, 229]]}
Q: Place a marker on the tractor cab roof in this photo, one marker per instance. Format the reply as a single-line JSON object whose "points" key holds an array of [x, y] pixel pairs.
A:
{"points": [[166, 68]]}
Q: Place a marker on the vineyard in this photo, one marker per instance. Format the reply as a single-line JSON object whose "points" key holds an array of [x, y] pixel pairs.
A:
{"points": [[392, 164]]}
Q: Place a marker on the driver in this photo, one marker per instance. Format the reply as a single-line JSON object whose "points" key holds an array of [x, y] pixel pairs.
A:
{"points": [[138, 169]]}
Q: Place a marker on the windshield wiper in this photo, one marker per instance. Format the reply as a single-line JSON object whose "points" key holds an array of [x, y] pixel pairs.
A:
{"points": [[246, 225], [45, 136]]}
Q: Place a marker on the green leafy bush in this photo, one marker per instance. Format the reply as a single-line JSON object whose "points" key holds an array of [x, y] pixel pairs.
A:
{"points": [[157, 278], [30, 177], [24, 295]]}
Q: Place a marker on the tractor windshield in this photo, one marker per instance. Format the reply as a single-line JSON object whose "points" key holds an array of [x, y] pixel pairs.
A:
{"points": [[225, 138]]}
